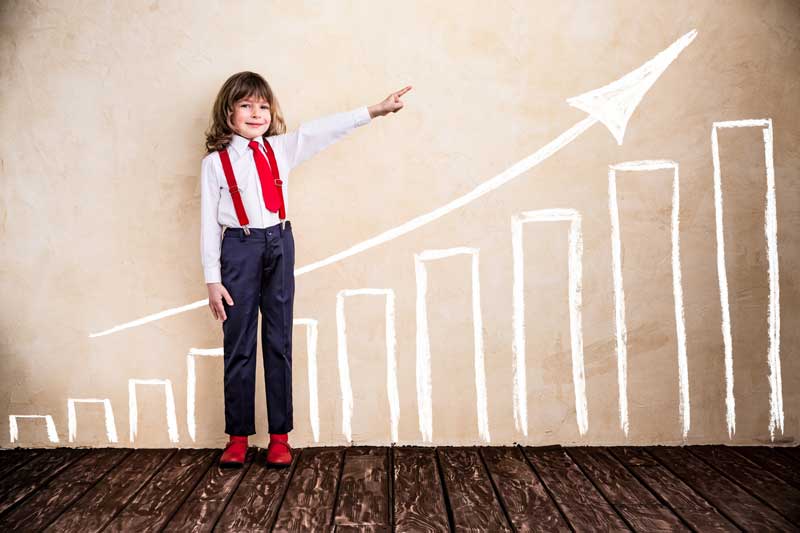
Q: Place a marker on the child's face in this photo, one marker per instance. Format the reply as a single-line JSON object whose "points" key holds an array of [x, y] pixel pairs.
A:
{"points": [[251, 117]]}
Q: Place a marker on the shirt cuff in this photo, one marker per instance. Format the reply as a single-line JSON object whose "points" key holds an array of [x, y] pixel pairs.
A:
{"points": [[212, 275], [361, 116]]}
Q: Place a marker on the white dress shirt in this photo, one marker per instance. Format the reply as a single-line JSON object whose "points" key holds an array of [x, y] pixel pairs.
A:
{"points": [[291, 149]]}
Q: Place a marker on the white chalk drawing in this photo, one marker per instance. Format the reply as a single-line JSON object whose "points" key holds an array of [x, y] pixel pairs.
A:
{"points": [[520, 390], [169, 397], [612, 105], [13, 429], [191, 383], [773, 315], [72, 418], [424, 387], [312, 333], [344, 360], [619, 292], [153, 317]]}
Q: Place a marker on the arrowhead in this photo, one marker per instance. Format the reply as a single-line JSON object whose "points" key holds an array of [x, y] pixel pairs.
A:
{"points": [[614, 103]]}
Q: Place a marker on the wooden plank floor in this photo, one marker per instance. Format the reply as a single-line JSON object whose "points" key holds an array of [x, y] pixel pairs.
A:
{"points": [[350, 489]]}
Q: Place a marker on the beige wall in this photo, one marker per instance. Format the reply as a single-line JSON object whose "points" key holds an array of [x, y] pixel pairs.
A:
{"points": [[103, 111]]}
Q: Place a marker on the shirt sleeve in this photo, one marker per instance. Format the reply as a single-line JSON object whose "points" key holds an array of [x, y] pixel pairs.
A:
{"points": [[210, 229], [312, 136]]}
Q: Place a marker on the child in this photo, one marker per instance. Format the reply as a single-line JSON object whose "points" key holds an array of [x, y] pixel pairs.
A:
{"points": [[247, 245]]}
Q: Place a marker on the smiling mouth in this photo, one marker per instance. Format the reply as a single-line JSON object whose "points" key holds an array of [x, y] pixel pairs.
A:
{"points": [[251, 124]]}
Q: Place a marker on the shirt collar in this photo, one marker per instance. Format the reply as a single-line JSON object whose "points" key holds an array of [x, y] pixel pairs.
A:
{"points": [[241, 144]]}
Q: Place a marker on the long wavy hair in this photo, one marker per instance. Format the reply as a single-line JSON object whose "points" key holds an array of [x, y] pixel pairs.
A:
{"points": [[241, 85]]}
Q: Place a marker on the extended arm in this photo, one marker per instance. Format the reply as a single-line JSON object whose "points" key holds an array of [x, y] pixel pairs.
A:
{"points": [[313, 136]]}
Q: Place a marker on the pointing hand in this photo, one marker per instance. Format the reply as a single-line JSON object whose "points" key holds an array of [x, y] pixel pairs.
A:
{"points": [[392, 103]]}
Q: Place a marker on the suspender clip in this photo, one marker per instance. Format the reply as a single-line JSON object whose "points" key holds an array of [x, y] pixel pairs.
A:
{"points": [[246, 229]]}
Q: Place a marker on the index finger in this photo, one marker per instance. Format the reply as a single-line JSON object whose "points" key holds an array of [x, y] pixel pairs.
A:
{"points": [[403, 91]]}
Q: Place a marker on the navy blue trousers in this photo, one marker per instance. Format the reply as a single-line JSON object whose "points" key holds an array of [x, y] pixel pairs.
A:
{"points": [[258, 272]]}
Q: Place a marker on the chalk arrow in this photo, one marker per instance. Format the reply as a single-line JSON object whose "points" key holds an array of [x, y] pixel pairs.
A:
{"points": [[612, 104]]}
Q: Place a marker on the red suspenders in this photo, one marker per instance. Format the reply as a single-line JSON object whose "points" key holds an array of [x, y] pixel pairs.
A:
{"points": [[237, 198], [234, 190]]}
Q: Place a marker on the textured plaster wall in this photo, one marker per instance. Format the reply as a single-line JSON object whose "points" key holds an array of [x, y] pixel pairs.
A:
{"points": [[102, 113]]}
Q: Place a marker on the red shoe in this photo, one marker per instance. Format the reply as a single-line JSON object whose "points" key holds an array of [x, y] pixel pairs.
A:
{"points": [[279, 452], [235, 451]]}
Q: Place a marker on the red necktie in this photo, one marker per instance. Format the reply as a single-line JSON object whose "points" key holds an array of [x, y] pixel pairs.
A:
{"points": [[272, 197]]}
